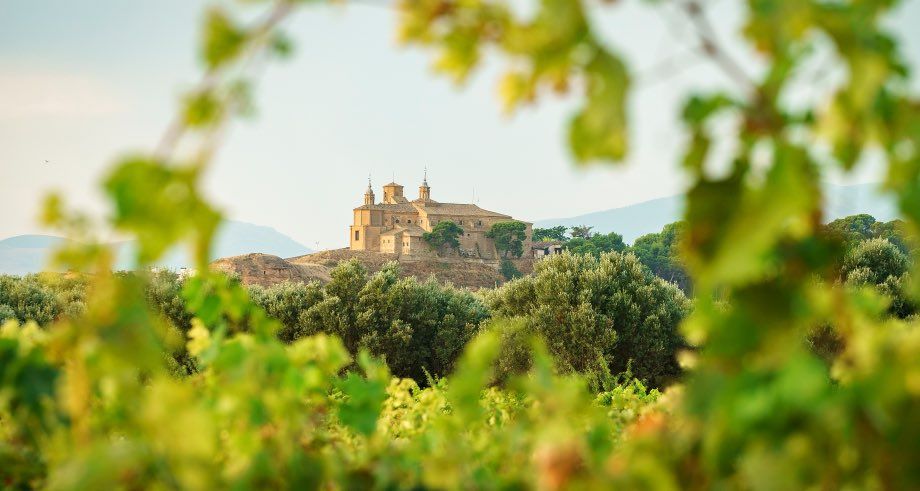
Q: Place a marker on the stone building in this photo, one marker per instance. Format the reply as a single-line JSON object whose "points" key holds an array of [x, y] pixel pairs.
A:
{"points": [[396, 225]]}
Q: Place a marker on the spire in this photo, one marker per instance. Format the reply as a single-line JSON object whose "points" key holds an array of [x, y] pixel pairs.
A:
{"points": [[424, 192], [369, 194]]}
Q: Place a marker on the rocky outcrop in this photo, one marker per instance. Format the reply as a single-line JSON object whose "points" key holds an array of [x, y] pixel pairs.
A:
{"points": [[267, 270]]}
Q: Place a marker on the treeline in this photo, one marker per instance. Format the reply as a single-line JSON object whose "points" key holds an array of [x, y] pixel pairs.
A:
{"points": [[656, 251], [601, 316], [660, 251], [600, 312]]}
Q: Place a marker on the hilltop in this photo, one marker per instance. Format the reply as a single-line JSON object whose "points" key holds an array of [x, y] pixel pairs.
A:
{"points": [[265, 270]]}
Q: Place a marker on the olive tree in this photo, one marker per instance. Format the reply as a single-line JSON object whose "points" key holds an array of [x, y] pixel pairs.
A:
{"points": [[599, 313]]}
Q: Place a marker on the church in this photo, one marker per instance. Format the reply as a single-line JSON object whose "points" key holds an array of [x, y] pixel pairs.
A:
{"points": [[396, 225]]}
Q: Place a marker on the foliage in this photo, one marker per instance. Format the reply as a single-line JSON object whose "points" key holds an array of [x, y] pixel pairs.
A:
{"points": [[596, 244], [509, 237], [599, 314], [93, 403], [581, 232], [857, 228], [548, 234], [41, 298], [509, 270], [878, 263], [659, 252], [418, 328], [873, 261], [444, 233]]}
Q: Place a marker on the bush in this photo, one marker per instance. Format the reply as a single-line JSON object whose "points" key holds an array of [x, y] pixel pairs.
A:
{"points": [[42, 297], [286, 302], [419, 328], [873, 262], [599, 313]]}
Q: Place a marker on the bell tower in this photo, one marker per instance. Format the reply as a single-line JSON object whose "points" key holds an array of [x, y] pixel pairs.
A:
{"points": [[369, 194], [424, 191]]}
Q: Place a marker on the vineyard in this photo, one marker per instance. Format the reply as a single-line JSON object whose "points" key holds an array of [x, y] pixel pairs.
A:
{"points": [[794, 364]]}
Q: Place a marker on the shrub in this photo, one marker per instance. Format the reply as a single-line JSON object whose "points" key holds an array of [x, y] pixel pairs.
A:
{"points": [[599, 313]]}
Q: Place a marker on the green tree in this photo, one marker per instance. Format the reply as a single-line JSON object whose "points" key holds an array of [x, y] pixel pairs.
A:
{"points": [[874, 261], [29, 299], [509, 238], [444, 233], [757, 410], [581, 232], [855, 229], [659, 253], [599, 313], [508, 269], [596, 244], [552, 233]]}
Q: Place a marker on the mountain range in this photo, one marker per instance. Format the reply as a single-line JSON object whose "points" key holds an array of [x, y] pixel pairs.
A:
{"points": [[639, 219], [29, 253]]}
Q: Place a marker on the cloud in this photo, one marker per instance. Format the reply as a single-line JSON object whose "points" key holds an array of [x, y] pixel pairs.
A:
{"points": [[29, 94]]}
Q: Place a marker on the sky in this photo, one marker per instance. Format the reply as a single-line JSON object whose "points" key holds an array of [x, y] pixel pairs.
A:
{"points": [[85, 81]]}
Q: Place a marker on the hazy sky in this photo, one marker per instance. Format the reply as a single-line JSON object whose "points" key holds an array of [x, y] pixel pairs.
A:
{"points": [[83, 81]]}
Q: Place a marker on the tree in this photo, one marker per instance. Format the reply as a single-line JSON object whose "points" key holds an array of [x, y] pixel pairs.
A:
{"points": [[759, 410], [854, 229], [508, 270], [596, 244], [509, 238], [599, 313], [444, 233], [552, 233], [874, 261], [581, 232], [658, 252]]}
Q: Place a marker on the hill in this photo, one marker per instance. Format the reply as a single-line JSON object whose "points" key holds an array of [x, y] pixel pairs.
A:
{"points": [[267, 270], [469, 273], [650, 216], [25, 254]]}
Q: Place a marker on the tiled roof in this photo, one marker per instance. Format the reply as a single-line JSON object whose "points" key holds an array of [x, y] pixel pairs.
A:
{"points": [[459, 209]]}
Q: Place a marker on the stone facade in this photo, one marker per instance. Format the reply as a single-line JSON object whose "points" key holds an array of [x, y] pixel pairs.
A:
{"points": [[396, 225]]}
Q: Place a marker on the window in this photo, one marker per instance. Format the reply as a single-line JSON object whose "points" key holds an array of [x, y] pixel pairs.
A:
{"points": [[396, 220], [357, 235], [479, 223], [409, 221]]}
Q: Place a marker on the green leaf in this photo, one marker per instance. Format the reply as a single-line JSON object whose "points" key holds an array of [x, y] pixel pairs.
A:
{"points": [[222, 39], [599, 130]]}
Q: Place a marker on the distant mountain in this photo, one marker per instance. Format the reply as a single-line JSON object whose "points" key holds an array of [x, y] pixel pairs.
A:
{"points": [[647, 217], [25, 254]]}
